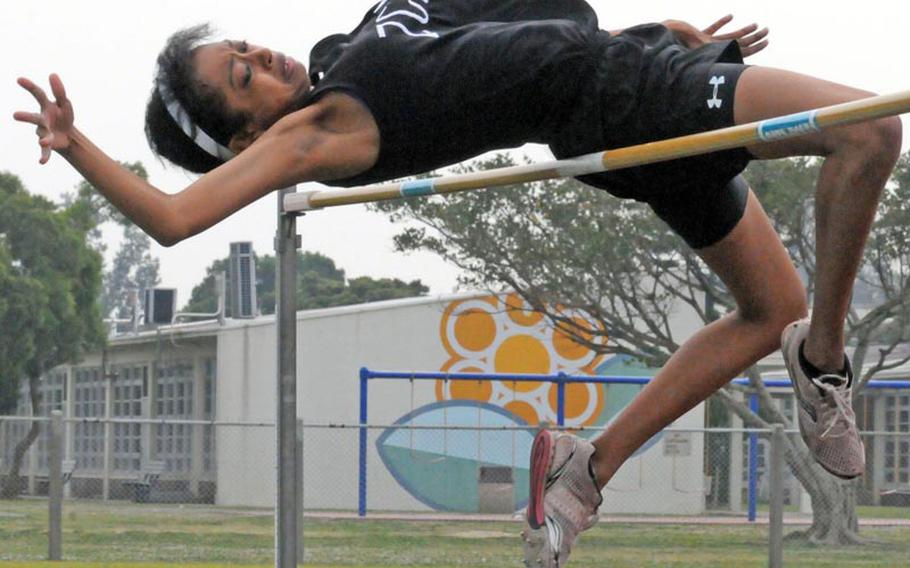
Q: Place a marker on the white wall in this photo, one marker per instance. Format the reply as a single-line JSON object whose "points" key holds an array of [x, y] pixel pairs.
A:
{"points": [[399, 335], [332, 346]]}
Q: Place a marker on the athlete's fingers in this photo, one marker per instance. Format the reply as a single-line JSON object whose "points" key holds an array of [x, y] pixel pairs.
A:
{"points": [[45, 149], [58, 89], [712, 29], [740, 33], [45, 136], [755, 38], [29, 117], [35, 90], [754, 48]]}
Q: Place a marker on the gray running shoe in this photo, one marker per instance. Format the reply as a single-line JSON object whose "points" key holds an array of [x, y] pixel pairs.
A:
{"points": [[824, 406], [563, 498]]}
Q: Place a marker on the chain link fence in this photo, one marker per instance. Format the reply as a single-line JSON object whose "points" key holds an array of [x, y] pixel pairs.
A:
{"points": [[685, 476], [722, 472], [162, 461]]}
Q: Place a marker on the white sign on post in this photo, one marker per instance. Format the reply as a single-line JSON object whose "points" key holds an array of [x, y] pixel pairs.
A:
{"points": [[678, 444]]}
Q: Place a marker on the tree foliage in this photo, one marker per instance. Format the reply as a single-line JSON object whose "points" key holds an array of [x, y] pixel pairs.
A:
{"points": [[49, 313], [18, 310], [559, 242], [320, 284], [133, 267], [45, 248]]}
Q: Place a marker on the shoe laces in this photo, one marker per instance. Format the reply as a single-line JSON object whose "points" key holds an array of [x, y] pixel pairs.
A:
{"points": [[839, 409]]}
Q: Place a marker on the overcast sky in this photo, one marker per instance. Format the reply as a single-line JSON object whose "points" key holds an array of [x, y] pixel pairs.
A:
{"points": [[105, 53]]}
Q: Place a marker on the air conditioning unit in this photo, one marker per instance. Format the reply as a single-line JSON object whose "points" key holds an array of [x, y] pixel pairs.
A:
{"points": [[243, 281], [159, 305]]}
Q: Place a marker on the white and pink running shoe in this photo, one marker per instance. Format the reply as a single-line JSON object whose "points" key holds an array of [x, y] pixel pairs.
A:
{"points": [[563, 498], [824, 407]]}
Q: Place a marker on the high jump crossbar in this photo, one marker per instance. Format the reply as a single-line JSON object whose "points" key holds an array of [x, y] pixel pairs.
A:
{"points": [[778, 128]]}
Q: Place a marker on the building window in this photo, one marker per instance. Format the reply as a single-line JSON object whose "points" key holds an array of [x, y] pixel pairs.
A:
{"points": [[127, 403], [897, 450], [89, 403], [208, 432], [53, 393], [174, 399]]}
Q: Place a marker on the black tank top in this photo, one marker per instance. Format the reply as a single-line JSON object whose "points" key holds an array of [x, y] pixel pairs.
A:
{"points": [[447, 80]]}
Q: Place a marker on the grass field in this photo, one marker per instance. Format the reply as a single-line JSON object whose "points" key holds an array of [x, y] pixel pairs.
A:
{"points": [[122, 535]]}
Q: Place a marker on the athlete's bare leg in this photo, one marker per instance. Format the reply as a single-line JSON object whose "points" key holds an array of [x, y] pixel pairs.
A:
{"points": [[756, 269], [858, 162]]}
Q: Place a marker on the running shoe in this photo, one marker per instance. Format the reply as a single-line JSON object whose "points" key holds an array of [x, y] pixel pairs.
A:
{"points": [[563, 499], [824, 407]]}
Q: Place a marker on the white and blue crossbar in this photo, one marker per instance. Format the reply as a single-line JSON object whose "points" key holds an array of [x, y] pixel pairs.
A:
{"points": [[702, 143]]}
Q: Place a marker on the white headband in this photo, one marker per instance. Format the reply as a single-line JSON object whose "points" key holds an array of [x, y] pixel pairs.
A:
{"points": [[196, 134]]}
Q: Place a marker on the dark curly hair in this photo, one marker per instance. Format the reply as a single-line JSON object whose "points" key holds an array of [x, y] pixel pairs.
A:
{"points": [[206, 106]]}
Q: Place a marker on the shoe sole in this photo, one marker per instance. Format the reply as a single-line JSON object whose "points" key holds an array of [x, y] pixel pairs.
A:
{"points": [[541, 455], [785, 345], [839, 475]]}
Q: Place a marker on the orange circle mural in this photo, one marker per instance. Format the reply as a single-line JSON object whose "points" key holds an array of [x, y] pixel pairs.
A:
{"points": [[566, 346], [519, 313], [501, 334], [578, 399], [471, 390], [522, 354], [475, 330], [523, 410]]}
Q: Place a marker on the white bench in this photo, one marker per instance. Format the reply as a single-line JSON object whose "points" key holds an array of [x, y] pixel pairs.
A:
{"points": [[67, 469], [148, 478]]}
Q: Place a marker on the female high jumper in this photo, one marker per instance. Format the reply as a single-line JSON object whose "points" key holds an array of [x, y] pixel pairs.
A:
{"points": [[422, 84]]}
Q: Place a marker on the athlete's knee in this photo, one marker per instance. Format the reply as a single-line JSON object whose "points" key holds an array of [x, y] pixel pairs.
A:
{"points": [[889, 136], [876, 144], [787, 304], [791, 305]]}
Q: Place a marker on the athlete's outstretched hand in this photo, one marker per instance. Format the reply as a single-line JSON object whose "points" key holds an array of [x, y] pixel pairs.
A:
{"points": [[54, 122], [751, 39]]}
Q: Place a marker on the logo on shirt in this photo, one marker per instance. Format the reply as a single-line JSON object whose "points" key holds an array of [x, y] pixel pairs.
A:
{"points": [[716, 82], [410, 18]]}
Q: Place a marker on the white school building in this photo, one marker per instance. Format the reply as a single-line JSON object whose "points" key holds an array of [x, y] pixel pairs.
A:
{"points": [[225, 374]]}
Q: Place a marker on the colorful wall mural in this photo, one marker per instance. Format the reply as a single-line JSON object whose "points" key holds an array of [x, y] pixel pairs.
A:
{"points": [[499, 334]]}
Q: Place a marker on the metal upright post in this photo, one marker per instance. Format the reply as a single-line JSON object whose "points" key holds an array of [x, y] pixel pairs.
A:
{"points": [[107, 380], [776, 522], [69, 429], [753, 463], [299, 441], [362, 475], [561, 400], [55, 488], [32, 457], [286, 244]]}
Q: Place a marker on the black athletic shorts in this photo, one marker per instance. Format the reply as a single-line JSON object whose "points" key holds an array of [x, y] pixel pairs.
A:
{"points": [[650, 87]]}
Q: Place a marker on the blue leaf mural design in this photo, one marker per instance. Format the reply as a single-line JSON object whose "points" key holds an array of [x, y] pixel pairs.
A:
{"points": [[441, 468]]}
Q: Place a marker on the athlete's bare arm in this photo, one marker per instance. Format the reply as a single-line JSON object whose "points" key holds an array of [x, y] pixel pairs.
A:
{"points": [[332, 139]]}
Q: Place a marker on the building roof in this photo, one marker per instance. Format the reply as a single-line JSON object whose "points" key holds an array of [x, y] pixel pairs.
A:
{"points": [[212, 327]]}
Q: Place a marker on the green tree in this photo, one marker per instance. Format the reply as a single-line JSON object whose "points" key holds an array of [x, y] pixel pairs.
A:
{"points": [[18, 307], [133, 267], [132, 270], [564, 247], [51, 311], [320, 284]]}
